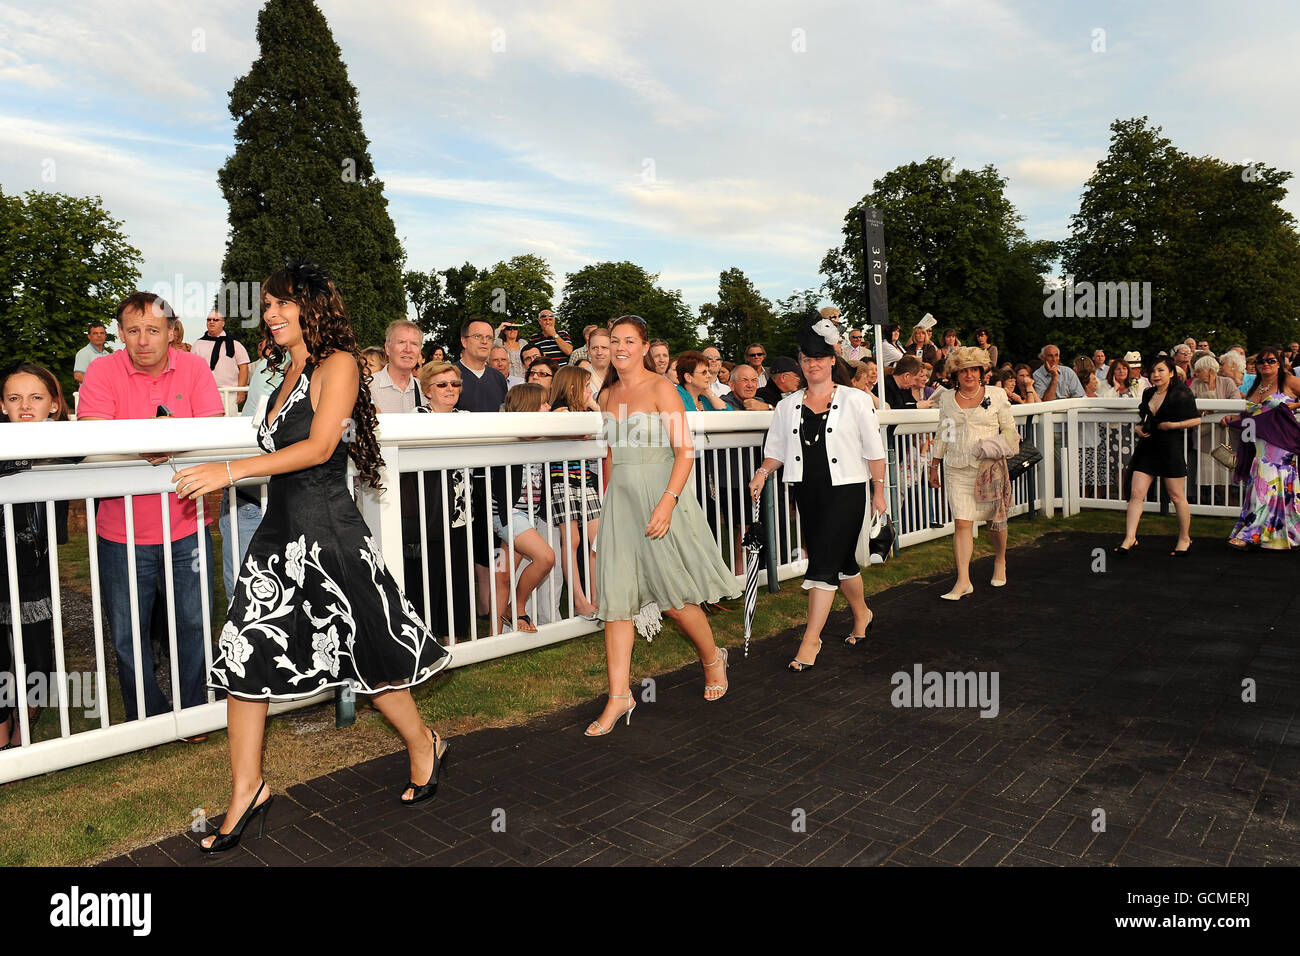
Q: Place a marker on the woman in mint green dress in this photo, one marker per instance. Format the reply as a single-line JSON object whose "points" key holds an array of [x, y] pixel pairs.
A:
{"points": [[654, 552]]}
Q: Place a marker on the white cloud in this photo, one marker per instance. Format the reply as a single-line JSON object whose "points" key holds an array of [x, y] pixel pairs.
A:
{"points": [[13, 67], [1051, 173], [758, 149]]}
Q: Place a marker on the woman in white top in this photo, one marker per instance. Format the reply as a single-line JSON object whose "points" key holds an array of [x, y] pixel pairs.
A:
{"points": [[827, 438], [508, 338], [890, 350], [968, 414], [1117, 382]]}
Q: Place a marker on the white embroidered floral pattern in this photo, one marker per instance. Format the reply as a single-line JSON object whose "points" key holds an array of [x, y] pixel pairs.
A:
{"points": [[293, 557], [236, 650], [326, 651], [293, 629]]}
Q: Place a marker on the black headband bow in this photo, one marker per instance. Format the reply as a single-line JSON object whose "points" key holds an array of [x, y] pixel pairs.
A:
{"points": [[307, 277]]}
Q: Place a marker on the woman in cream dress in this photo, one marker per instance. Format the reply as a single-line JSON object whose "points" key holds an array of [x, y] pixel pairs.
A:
{"points": [[967, 414]]}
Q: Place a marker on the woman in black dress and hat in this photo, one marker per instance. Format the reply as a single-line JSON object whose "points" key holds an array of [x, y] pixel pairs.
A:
{"points": [[1166, 411], [827, 438]]}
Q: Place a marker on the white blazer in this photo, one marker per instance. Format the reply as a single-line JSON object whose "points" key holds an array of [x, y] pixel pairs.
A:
{"points": [[852, 436]]}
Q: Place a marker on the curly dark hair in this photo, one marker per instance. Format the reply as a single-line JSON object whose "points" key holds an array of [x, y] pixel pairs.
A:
{"points": [[326, 329]]}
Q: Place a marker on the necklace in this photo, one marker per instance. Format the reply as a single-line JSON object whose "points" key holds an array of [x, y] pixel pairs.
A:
{"points": [[804, 436], [811, 440]]}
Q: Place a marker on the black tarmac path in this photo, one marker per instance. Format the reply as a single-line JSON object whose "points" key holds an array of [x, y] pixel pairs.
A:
{"points": [[1121, 738]]}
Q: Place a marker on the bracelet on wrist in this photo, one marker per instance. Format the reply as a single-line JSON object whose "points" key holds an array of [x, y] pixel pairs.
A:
{"points": [[229, 475], [669, 491]]}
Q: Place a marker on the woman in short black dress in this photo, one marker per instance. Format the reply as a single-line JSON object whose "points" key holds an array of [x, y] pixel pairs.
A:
{"points": [[1166, 411]]}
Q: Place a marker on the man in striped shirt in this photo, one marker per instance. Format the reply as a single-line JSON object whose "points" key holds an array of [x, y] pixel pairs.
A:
{"points": [[554, 345]]}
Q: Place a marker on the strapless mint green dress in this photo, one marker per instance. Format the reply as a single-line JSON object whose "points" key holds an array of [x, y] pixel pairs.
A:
{"points": [[637, 575]]}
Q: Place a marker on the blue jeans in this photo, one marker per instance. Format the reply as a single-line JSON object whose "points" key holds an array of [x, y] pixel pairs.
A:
{"points": [[249, 518], [187, 597]]}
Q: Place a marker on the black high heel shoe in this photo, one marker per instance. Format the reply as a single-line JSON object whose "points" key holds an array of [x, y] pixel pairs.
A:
{"points": [[429, 788], [228, 841], [1121, 550], [853, 640], [1174, 553]]}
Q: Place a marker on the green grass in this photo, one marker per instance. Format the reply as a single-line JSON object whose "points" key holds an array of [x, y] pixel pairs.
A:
{"points": [[88, 813]]}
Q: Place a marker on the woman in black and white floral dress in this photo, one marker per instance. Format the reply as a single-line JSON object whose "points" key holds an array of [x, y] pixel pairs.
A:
{"points": [[314, 606]]}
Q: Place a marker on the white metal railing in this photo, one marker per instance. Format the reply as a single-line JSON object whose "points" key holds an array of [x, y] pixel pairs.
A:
{"points": [[231, 397], [1105, 435], [430, 456]]}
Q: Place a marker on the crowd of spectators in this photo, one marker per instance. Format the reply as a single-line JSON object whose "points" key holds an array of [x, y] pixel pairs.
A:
{"points": [[528, 530]]}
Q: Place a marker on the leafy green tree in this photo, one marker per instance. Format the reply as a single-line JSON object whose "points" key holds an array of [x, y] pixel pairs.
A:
{"points": [[740, 316], [599, 293], [1220, 253], [300, 182], [63, 263], [1024, 329], [441, 300], [954, 248], [787, 320], [515, 290]]}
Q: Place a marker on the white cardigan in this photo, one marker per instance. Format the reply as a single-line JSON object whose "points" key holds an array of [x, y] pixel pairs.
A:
{"points": [[852, 436]]}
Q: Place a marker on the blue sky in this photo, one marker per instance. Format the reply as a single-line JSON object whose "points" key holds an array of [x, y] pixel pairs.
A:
{"points": [[686, 137]]}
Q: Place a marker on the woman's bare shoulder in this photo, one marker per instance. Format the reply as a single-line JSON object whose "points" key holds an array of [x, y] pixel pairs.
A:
{"points": [[340, 364], [666, 396]]}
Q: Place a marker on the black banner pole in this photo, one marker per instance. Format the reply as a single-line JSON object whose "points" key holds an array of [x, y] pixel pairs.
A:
{"points": [[877, 289]]}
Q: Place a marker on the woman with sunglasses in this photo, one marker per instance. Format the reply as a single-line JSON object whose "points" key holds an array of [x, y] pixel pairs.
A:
{"points": [[541, 372], [441, 384], [1270, 513]]}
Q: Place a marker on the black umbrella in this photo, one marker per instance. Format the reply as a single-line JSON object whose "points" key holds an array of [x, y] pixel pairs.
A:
{"points": [[753, 544]]}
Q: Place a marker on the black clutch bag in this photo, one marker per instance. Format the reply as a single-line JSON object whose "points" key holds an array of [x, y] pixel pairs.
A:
{"points": [[1023, 460]]}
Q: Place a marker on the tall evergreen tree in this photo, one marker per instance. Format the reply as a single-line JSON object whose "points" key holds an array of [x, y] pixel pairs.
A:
{"points": [[300, 182]]}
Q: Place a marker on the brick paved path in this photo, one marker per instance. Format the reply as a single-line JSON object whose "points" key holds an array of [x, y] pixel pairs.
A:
{"points": [[1143, 722]]}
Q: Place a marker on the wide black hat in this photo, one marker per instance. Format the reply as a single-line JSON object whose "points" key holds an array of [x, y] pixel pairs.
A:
{"points": [[819, 335]]}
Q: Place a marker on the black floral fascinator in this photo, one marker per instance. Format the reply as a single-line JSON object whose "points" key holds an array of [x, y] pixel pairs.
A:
{"points": [[307, 277]]}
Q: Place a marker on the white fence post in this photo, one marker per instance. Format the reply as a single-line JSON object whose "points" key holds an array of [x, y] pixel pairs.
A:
{"points": [[1049, 464], [1073, 439], [382, 511]]}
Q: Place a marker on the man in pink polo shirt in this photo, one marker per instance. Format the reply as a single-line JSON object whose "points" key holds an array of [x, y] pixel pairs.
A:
{"points": [[147, 379]]}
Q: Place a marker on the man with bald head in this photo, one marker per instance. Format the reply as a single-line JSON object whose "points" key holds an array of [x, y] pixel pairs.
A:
{"points": [[715, 366], [744, 385]]}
